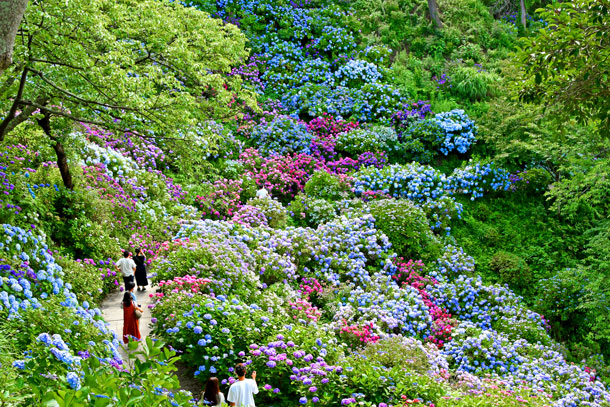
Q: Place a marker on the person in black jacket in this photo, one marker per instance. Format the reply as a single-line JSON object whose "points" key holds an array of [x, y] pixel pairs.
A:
{"points": [[141, 279]]}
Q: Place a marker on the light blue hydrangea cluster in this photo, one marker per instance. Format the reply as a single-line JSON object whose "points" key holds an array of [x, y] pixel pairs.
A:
{"points": [[458, 129], [115, 162], [282, 135], [486, 306], [453, 263], [356, 71], [476, 179], [420, 183], [31, 273], [478, 350]]}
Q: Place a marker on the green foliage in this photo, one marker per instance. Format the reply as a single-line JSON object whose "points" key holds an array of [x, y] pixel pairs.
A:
{"points": [[54, 318], [584, 195], [520, 225], [171, 78], [310, 211], [85, 280], [407, 228], [327, 186], [149, 369], [511, 269], [473, 84], [566, 62], [403, 359]]}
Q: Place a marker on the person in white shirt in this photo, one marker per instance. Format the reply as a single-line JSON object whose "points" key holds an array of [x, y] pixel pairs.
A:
{"points": [[262, 193], [241, 393], [127, 267]]}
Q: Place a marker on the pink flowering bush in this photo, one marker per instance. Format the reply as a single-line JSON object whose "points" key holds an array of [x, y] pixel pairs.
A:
{"points": [[358, 334], [223, 200], [282, 176], [187, 283]]}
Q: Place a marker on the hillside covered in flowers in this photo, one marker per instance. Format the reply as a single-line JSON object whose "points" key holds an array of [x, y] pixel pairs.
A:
{"points": [[363, 205]]}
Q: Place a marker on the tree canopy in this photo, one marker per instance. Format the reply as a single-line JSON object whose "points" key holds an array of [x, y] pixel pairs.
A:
{"points": [[155, 68], [567, 62]]}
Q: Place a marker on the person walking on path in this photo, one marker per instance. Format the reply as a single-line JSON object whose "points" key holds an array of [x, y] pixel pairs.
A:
{"points": [[141, 279], [127, 267], [241, 393], [131, 324], [212, 396], [129, 288]]}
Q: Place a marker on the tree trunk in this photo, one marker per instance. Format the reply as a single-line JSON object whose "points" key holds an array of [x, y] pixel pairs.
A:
{"points": [[62, 159], [434, 16], [523, 14], [62, 163], [11, 13]]}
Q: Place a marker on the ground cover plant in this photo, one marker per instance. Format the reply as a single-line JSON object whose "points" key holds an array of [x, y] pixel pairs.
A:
{"points": [[345, 196]]}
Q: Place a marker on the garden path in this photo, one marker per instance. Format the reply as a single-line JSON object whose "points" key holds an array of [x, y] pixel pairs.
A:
{"points": [[113, 313]]}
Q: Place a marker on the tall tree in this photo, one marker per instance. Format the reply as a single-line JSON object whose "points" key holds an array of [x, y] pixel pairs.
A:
{"points": [[523, 13], [567, 62], [151, 67], [434, 13], [11, 13]]}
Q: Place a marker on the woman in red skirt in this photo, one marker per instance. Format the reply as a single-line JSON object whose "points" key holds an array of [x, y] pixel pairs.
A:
{"points": [[131, 324]]}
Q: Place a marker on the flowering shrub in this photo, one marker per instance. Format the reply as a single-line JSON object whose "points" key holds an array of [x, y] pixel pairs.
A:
{"points": [[251, 216], [273, 211], [446, 132], [376, 138], [282, 135], [282, 176], [308, 211], [410, 114], [222, 201]]}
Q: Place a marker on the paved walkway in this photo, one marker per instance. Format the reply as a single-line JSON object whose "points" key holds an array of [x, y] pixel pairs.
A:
{"points": [[113, 313]]}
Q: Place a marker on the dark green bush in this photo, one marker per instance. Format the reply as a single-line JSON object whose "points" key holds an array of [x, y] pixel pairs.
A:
{"points": [[511, 269], [407, 228]]}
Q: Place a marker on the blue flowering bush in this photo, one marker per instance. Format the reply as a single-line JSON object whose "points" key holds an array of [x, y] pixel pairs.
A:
{"points": [[387, 308], [213, 328], [445, 132], [281, 135]]}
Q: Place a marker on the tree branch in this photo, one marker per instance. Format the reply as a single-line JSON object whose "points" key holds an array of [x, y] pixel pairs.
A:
{"points": [[78, 98], [11, 113]]}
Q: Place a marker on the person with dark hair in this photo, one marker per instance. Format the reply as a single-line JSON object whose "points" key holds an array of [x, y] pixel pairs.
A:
{"points": [[140, 260], [127, 267], [129, 288], [241, 393], [131, 324], [212, 396]]}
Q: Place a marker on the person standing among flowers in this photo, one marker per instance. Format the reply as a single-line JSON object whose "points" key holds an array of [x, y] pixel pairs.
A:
{"points": [[131, 324], [129, 289], [212, 396], [241, 393], [141, 278], [127, 267]]}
